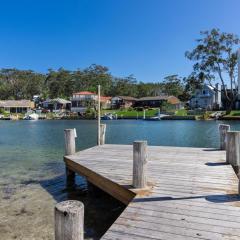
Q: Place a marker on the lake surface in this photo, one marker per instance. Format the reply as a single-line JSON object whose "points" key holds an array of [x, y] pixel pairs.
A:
{"points": [[32, 171]]}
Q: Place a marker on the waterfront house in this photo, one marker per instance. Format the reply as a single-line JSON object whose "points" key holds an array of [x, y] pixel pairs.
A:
{"points": [[16, 106], [83, 100], [105, 102], [207, 97], [57, 104], [158, 101], [122, 102]]}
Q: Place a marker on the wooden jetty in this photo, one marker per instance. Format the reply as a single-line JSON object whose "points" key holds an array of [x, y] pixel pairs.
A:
{"points": [[189, 193]]}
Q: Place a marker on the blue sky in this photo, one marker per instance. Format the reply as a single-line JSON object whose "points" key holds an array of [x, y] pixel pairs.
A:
{"points": [[147, 38]]}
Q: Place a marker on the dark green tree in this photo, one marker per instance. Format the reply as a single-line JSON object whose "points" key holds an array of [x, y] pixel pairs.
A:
{"points": [[173, 85]]}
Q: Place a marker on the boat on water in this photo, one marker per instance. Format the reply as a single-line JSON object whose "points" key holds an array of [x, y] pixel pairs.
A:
{"points": [[156, 118], [32, 116], [109, 116]]}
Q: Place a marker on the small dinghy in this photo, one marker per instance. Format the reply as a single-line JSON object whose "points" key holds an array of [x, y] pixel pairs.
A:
{"points": [[32, 116]]}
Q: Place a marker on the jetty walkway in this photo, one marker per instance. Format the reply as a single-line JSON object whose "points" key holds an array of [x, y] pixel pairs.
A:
{"points": [[191, 193]]}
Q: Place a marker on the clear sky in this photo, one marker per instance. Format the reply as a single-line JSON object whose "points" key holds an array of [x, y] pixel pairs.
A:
{"points": [[147, 38]]}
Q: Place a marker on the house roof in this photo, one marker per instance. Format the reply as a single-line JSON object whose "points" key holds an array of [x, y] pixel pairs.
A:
{"points": [[15, 103], [170, 99], [85, 93], [128, 98], [60, 100], [105, 99], [153, 98], [173, 100], [56, 100]]}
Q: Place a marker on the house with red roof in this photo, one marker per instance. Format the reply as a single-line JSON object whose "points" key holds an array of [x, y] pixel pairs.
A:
{"points": [[85, 99]]}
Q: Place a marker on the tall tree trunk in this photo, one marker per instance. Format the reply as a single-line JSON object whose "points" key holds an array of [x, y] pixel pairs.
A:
{"points": [[229, 106]]}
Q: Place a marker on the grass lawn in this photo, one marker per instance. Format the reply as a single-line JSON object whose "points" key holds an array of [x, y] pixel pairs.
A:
{"points": [[234, 113], [132, 113], [181, 112]]}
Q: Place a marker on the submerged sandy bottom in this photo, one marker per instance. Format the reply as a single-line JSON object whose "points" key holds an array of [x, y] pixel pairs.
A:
{"points": [[27, 214], [27, 210]]}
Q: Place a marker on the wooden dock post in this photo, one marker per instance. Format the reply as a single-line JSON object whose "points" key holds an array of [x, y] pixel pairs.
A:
{"points": [[70, 146], [233, 148], [99, 115], [144, 114], [223, 129], [102, 133], [70, 149], [69, 220], [139, 164]]}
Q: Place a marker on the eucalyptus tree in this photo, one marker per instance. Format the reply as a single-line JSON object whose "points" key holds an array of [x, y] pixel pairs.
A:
{"points": [[173, 85], [215, 60], [20, 84]]}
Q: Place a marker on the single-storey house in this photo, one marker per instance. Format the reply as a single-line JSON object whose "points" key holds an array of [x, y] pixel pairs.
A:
{"points": [[157, 101], [122, 102], [16, 106], [57, 104]]}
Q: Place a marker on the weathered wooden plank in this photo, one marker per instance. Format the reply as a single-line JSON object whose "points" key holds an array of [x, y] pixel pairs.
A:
{"points": [[120, 193], [178, 230], [180, 223], [149, 233]]}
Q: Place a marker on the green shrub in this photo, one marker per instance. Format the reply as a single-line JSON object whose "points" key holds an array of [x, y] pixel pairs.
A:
{"points": [[90, 113], [139, 109]]}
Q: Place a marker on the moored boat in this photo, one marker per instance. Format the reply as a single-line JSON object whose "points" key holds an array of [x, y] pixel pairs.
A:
{"points": [[32, 116]]}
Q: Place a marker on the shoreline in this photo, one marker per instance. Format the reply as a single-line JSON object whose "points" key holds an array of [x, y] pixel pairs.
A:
{"points": [[169, 117]]}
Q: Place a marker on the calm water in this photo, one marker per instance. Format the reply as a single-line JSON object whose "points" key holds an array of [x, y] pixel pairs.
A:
{"points": [[31, 155]]}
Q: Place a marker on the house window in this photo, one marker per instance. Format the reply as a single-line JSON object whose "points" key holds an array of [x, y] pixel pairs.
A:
{"points": [[74, 104]]}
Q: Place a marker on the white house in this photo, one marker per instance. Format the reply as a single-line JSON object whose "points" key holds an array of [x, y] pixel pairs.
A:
{"points": [[83, 100], [207, 97]]}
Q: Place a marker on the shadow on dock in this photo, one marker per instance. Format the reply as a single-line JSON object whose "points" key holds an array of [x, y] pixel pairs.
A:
{"points": [[212, 149], [211, 198], [212, 164]]}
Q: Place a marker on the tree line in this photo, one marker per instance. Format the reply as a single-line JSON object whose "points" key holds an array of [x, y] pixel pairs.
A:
{"points": [[24, 84]]}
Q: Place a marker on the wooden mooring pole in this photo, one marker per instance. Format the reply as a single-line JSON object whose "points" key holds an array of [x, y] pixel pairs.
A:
{"points": [[69, 220], [233, 148], [70, 148], [102, 133], [99, 115], [233, 151], [223, 129], [140, 164]]}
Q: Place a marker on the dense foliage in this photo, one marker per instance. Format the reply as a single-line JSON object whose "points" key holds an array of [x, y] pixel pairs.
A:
{"points": [[24, 84]]}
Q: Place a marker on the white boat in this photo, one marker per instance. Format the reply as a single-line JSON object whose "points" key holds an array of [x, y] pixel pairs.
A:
{"points": [[156, 118], [32, 116], [109, 116]]}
